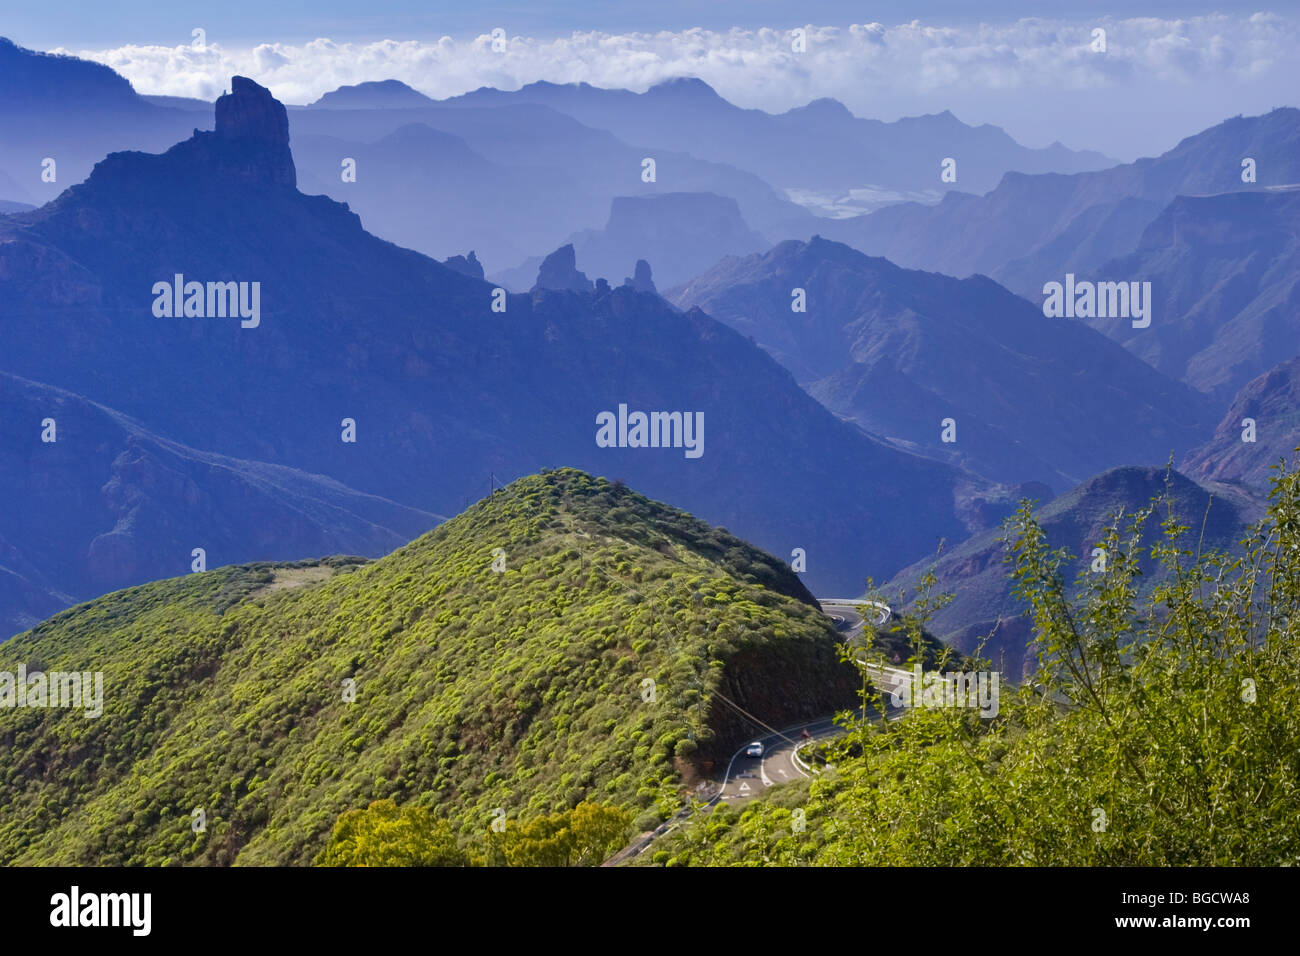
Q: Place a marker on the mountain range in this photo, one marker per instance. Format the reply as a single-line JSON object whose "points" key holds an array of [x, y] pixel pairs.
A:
{"points": [[529, 174], [443, 392], [983, 611], [73, 112], [1034, 228], [395, 388], [513, 173], [900, 351], [875, 160]]}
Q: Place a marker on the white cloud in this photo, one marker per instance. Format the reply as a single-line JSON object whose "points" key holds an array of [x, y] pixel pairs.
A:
{"points": [[876, 70]]}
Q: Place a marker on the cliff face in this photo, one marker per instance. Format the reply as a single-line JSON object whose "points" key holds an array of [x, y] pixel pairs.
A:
{"points": [[256, 125]]}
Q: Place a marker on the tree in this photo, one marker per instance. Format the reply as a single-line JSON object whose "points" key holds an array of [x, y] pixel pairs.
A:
{"points": [[584, 836], [384, 834]]}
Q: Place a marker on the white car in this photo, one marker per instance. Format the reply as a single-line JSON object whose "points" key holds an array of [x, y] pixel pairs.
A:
{"points": [[754, 750]]}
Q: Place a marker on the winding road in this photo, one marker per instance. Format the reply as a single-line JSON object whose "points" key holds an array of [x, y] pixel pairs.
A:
{"points": [[746, 777]]}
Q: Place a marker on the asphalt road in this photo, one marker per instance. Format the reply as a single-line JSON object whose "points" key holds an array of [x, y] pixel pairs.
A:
{"points": [[848, 614], [747, 777]]}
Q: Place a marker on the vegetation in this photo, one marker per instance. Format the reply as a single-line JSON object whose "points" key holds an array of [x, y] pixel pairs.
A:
{"points": [[385, 835], [275, 700], [587, 835], [1163, 727]]}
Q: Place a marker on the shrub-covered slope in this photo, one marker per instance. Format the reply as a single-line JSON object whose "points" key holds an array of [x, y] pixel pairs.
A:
{"points": [[524, 689]]}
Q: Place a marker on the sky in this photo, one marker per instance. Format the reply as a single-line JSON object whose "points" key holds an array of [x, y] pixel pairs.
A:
{"points": [[1168, 70]]}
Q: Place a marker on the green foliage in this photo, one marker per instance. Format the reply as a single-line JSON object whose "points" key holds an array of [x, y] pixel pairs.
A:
{"points": [[587, 835], [1161, 727], [473, 689], [384, 835]]}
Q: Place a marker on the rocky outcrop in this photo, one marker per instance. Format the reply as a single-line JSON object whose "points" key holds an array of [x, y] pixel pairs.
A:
{"points": [[640, 278], [256, 125], [469, 266], [560, 271]]}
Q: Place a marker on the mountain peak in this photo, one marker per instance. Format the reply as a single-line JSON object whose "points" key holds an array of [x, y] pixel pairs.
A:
{"points": [[560, 271], [250, 116], [250, 111], [373, 95], [684, 86], [943, 120], [825, 106]]}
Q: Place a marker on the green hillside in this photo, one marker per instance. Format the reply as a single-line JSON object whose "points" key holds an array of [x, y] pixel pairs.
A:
{"points": [[474, 690]]}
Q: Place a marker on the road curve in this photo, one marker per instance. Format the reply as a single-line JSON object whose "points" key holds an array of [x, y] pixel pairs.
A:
{"points": [[747, 777]]}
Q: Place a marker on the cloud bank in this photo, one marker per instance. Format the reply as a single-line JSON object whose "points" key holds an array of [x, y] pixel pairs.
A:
{"points": [[1158, 79]]}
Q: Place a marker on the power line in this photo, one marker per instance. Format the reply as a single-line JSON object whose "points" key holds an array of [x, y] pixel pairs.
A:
{"points": [[760, 723]]}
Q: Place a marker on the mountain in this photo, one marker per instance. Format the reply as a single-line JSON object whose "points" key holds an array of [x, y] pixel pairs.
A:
{"points": [[375, 95], [107, 504], [444, 393], [852, 154], [678, 234], [73, 112], [1272, 401], [569, 171], [559, 272], [1226, 273], [188, 103], [975, 573], [593, 664], [508, 182], [898, 351], [429, 190], [1033, 229]]}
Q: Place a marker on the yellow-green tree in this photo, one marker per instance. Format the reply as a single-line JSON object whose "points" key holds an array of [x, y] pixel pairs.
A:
{"points": [[584, 836], [384, 834]]}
